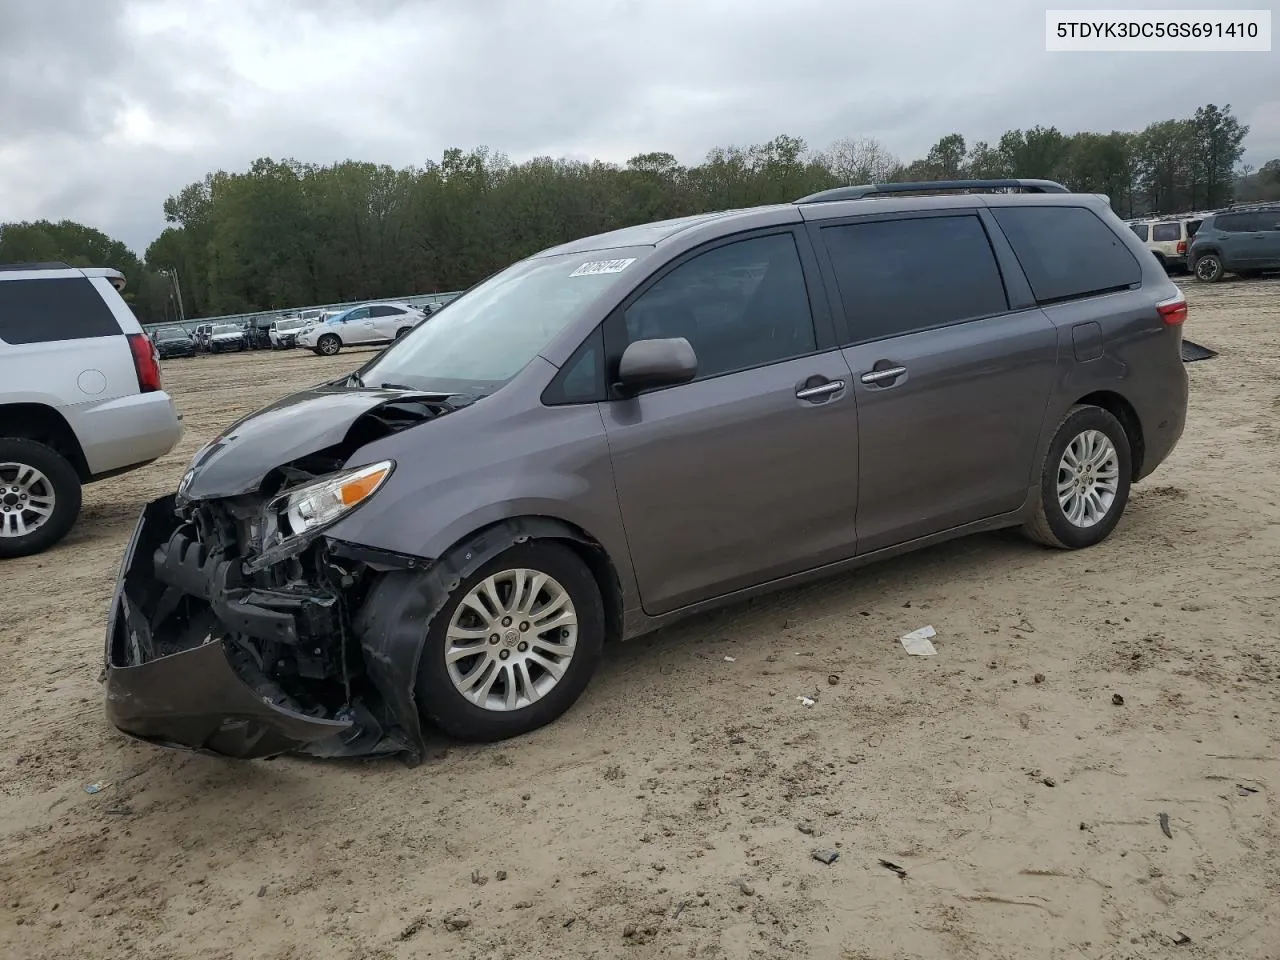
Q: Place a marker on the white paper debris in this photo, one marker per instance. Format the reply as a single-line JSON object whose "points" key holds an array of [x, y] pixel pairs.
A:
{"points": [[806, 701], [730, 659], [917, 642]]}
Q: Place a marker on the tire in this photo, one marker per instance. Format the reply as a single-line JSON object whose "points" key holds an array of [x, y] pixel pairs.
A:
{"points": [[328, 345], [439, 697], [402, 331], [1208, 268], [56, 477], [1050, 524]]}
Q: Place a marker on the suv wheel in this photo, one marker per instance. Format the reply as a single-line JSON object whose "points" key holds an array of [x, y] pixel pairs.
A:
{"points": [[39, 497], [1084, 481], [1208, 268], [402, 331], [514, 646], [328, 345]]}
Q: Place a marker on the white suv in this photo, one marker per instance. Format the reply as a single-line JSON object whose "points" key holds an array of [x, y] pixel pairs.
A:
{"points": [[372, 323], [80, 397], [1168, 238]]}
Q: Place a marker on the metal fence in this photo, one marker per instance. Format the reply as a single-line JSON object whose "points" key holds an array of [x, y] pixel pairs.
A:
{"points": [[436, 300]]}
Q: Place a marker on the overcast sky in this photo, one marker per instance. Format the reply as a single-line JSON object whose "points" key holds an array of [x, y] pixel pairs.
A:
{"points": [[109, 106]]}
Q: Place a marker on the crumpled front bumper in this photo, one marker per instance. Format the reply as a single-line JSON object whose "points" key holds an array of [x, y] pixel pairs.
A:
{"points": [[202, 698]]}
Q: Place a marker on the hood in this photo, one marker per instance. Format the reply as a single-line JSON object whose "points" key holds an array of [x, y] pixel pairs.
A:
{"points": [[329, 418], [228, 336]]}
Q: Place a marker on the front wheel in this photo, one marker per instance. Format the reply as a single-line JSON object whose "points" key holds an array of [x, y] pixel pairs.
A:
{"points": [[514, 646], [39, 497], [328, 345], [1208, 268], [1084, 481]]}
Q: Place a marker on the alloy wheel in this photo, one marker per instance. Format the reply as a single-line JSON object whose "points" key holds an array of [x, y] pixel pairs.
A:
{"points": [[1088, 478], [27, 499], [511, 639]]}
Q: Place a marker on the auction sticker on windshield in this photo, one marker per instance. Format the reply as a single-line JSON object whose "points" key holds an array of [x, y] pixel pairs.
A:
{"points": [[595, 267]]}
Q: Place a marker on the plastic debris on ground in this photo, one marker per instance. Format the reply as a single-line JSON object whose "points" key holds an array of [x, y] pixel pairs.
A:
{"points": [[917, 642], [807, 701], [730, 659]]}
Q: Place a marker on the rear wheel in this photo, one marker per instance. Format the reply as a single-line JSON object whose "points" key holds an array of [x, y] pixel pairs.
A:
{"points": [[1208, 268], [402, 331], [1084, 481], [328, 345], [39, 497], [514, 646]]}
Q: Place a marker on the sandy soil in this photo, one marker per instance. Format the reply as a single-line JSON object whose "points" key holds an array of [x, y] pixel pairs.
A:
{"points": [[674, 811]]}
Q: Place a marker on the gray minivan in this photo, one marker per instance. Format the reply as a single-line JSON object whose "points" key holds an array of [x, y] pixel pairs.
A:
{"points": [[623, 430]]}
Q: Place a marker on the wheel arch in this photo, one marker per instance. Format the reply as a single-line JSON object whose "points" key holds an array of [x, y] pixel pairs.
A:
{"points": [[1120, 408], [471, 551], [44, 424], [391, 624]]}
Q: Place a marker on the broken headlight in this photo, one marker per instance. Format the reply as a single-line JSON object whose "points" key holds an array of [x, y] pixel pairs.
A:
{"points": [[309, 508]]}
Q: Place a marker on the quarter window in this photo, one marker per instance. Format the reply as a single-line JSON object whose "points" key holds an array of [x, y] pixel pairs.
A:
{"points": [[900, 276], [1067, 252], [1166, 232], [39, 311]]}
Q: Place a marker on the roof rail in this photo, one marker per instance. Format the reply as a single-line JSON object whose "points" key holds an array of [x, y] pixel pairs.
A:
{"points": [[931, 186], [48, 265]]}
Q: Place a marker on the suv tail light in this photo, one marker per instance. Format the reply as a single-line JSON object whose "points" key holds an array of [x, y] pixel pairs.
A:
{"points": [[1174, 310], [1182, 246], [146, 362]]}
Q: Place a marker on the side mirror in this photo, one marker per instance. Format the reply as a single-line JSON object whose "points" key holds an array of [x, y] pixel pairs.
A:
{"points": [[656, 363]]}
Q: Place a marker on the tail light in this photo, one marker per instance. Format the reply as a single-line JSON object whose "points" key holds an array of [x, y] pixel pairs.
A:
{"points": [[146, 362], [1182, 246], [1173, 311]]}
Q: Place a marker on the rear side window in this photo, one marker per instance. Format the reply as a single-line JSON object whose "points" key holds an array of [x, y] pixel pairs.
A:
{"points": [[1140, 231], [900, 276], [1067, 252], [40, 311], [1237, 222], [1165, 232], [385, 311]]}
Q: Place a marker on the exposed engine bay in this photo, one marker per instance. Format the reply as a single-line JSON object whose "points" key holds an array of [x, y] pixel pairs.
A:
{"points": [[227, 592]]}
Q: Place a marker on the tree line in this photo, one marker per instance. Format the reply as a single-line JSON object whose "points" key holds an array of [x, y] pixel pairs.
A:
{"points": [[286, 233]]}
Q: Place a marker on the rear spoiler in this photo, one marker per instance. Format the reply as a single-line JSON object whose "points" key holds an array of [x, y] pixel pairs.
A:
{"points": [[115, 277]]}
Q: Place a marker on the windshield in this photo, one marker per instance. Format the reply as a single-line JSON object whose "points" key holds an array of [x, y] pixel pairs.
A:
{"points": [[288, 324], [170, 333], [226, 328], [489, 334]]}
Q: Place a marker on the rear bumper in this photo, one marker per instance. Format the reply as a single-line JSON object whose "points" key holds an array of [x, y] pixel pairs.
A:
{"points": [[120, 433]]}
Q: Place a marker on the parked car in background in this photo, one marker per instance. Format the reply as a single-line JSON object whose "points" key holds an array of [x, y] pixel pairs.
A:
{"points": [[174, 342], [373, 323], [257, 333], [1169, 239], [1244, 242], [81, 397], [201, 335], [624, 430], [283, 333], [224, 337]]}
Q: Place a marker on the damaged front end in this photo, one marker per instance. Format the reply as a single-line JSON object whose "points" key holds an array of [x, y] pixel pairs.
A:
{"points": [[238, 627]]}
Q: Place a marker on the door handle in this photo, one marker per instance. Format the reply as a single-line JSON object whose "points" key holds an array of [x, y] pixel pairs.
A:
{"points": [[880, 376], [821, 390]]}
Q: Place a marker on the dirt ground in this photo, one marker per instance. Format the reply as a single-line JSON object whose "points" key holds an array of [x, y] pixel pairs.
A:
{"points": [[1019, 778]]}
